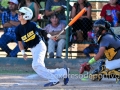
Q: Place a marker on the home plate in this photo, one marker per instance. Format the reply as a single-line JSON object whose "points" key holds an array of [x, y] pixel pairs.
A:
{"points": [[33, 76]]}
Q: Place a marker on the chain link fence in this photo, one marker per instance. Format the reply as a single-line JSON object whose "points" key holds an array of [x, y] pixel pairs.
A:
{"points": [[77, 34]]}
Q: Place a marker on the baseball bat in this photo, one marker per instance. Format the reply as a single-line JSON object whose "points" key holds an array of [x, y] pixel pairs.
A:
{"points": [[74, 20]]}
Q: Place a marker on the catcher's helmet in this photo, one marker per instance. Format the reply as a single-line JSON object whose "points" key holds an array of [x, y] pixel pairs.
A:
{"points": [[102, 23], [28, 14]]}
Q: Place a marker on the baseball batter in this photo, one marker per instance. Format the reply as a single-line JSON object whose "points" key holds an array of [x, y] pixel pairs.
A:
{"points": [[27, 32]]}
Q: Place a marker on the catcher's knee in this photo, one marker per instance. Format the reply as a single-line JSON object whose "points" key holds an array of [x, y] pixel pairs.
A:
{"points": [[101, 67]]}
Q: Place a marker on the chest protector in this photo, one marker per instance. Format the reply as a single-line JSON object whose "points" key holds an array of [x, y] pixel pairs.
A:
{"points": [[110, 52]]}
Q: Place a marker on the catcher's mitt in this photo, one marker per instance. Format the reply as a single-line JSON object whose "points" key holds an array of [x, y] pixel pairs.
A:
{"points": [[84, 67]]}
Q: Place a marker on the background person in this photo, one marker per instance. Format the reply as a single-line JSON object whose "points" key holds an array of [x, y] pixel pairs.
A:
{"points": [[10, 22], [54, 28], [84, 23], [107, 10], [93, 46], [56, 6]]}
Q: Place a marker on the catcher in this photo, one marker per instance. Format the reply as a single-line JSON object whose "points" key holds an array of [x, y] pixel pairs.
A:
{"points": [[109, 45]]}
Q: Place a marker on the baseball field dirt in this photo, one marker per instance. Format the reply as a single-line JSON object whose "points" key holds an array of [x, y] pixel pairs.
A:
{"points": [[17, 74], [33, 82]]}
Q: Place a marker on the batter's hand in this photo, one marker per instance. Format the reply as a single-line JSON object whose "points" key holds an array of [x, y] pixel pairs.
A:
{"points": [[55, 37], [25, 56]]}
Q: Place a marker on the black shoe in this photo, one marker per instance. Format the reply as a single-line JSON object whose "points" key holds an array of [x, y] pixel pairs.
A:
{"points": [[95, 71], [58, 57], [8, 55], [51, 84], [51, 55]]}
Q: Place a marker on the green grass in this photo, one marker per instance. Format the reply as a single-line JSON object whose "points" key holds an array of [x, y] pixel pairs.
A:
{"points": [[19, 69], [16, 70]]}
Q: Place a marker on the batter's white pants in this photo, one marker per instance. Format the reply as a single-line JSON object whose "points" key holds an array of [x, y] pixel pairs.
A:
{"points": [[38, 65], [111, 65]]}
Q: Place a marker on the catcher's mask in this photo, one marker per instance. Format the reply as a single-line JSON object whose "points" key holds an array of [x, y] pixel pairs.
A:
{"points": [[101, 25]]}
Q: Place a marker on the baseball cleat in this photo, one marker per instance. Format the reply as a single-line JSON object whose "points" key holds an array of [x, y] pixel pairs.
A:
{"points": [[66, 79], [51, 84]]}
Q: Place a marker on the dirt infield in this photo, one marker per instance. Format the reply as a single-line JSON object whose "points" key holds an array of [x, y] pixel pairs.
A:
{"points": [[17, 74], [34, 82]]}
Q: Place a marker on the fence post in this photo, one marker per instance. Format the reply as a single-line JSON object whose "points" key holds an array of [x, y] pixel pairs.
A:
{"points": [[67, 32]]}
